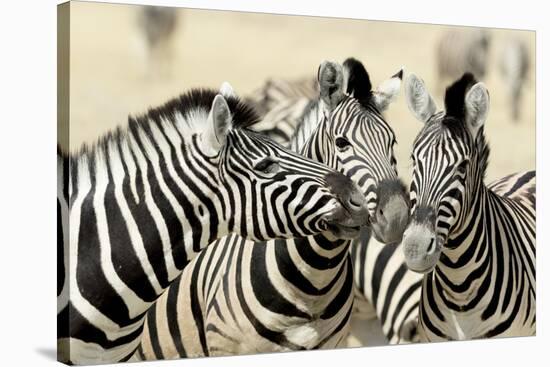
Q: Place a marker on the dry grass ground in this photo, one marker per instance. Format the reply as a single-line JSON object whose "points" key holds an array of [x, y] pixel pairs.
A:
{"points": [[110, 77]]}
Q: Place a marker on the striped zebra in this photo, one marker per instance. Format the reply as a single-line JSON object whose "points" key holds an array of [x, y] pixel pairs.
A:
{"points": [[475, 244], [514, 68], [134, 208], [462, 50], [385, 288], [274, 91], [238, 297], [282, 104]]}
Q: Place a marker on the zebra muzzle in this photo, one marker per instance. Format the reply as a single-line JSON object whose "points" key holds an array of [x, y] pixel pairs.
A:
{"points": [[421, 248]]}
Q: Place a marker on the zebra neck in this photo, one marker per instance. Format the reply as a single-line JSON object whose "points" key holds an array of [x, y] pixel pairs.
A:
{"points": [[471, 252], [158, 196], [306, 127], [314, 263], [465, 241]]}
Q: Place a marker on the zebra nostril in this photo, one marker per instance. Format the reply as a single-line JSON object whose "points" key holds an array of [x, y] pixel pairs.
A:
{"points": [[354, 203], [431, 246]]}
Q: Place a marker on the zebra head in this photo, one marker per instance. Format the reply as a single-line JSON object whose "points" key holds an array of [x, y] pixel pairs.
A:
{"points": [[352, 136], [449, 154], [272, 192]]}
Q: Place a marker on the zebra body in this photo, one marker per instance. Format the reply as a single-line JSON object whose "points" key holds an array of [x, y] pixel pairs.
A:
{"points": [[276, 91], [282, 104], [142, 202], [239, 297], [514, 68], [462, 50], [474, 243], [385, 288]]}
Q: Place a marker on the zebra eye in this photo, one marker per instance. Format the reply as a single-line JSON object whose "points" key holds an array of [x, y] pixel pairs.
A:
{"points": [[267, 165], [342, 143], [461, 169]]}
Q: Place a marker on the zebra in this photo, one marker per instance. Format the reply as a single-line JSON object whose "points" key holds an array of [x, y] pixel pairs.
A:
{"points": [[384, 287], [282, 104], [158, 25], [275, 91], [475, 244], [514, 68], [462, 50], [238, 297], [137, 206]]}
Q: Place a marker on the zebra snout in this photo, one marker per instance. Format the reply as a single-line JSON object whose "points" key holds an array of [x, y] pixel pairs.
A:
{"points": [[350, 197], [392, 214], [421, 248]]}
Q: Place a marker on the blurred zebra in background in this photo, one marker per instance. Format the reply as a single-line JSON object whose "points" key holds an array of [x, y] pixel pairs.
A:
{"points": [[158, 26], [514, 66], [238, 297], [282, 103], [462, 50], [385, 288]]}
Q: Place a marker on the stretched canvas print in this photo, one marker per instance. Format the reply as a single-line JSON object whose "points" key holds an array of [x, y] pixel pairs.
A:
{"points": [[236, 183]]}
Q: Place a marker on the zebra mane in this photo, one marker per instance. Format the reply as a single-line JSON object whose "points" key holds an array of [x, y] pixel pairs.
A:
{"points": [[187, 105], [359, 85], [454, 98], [454, 119]]}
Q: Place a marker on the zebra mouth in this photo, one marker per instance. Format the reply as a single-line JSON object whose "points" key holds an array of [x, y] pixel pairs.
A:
{"points": [[343, 231], [425, 270]]}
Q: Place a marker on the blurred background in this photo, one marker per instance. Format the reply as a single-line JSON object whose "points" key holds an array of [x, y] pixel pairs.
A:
{"points": [[127, 58]]}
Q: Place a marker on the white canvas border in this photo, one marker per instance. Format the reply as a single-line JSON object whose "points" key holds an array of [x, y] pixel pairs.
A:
{"points": [[27, 183]]}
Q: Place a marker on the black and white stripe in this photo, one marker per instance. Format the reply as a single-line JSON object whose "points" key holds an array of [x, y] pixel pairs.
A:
{"points": [[238, 297], [282, 104], [474, 243], [138, 205], [274, 92], [385, 288]]}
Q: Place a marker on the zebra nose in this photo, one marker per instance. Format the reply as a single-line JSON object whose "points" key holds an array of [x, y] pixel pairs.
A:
{"points": [[392, 214], [421, 249], [349, 195], [356, 201]]}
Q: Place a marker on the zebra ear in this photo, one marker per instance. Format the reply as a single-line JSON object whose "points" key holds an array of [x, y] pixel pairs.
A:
{"points": [[420, 103], [388, 91], [331, 83], [227, 90], [476, 104], [219, 122]]}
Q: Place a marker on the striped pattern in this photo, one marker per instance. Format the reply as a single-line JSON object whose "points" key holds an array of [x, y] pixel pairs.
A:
{"points": [[481, 280], [282, 104], [238, 297], [276, 91], [142, 202], [385, 288]]}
